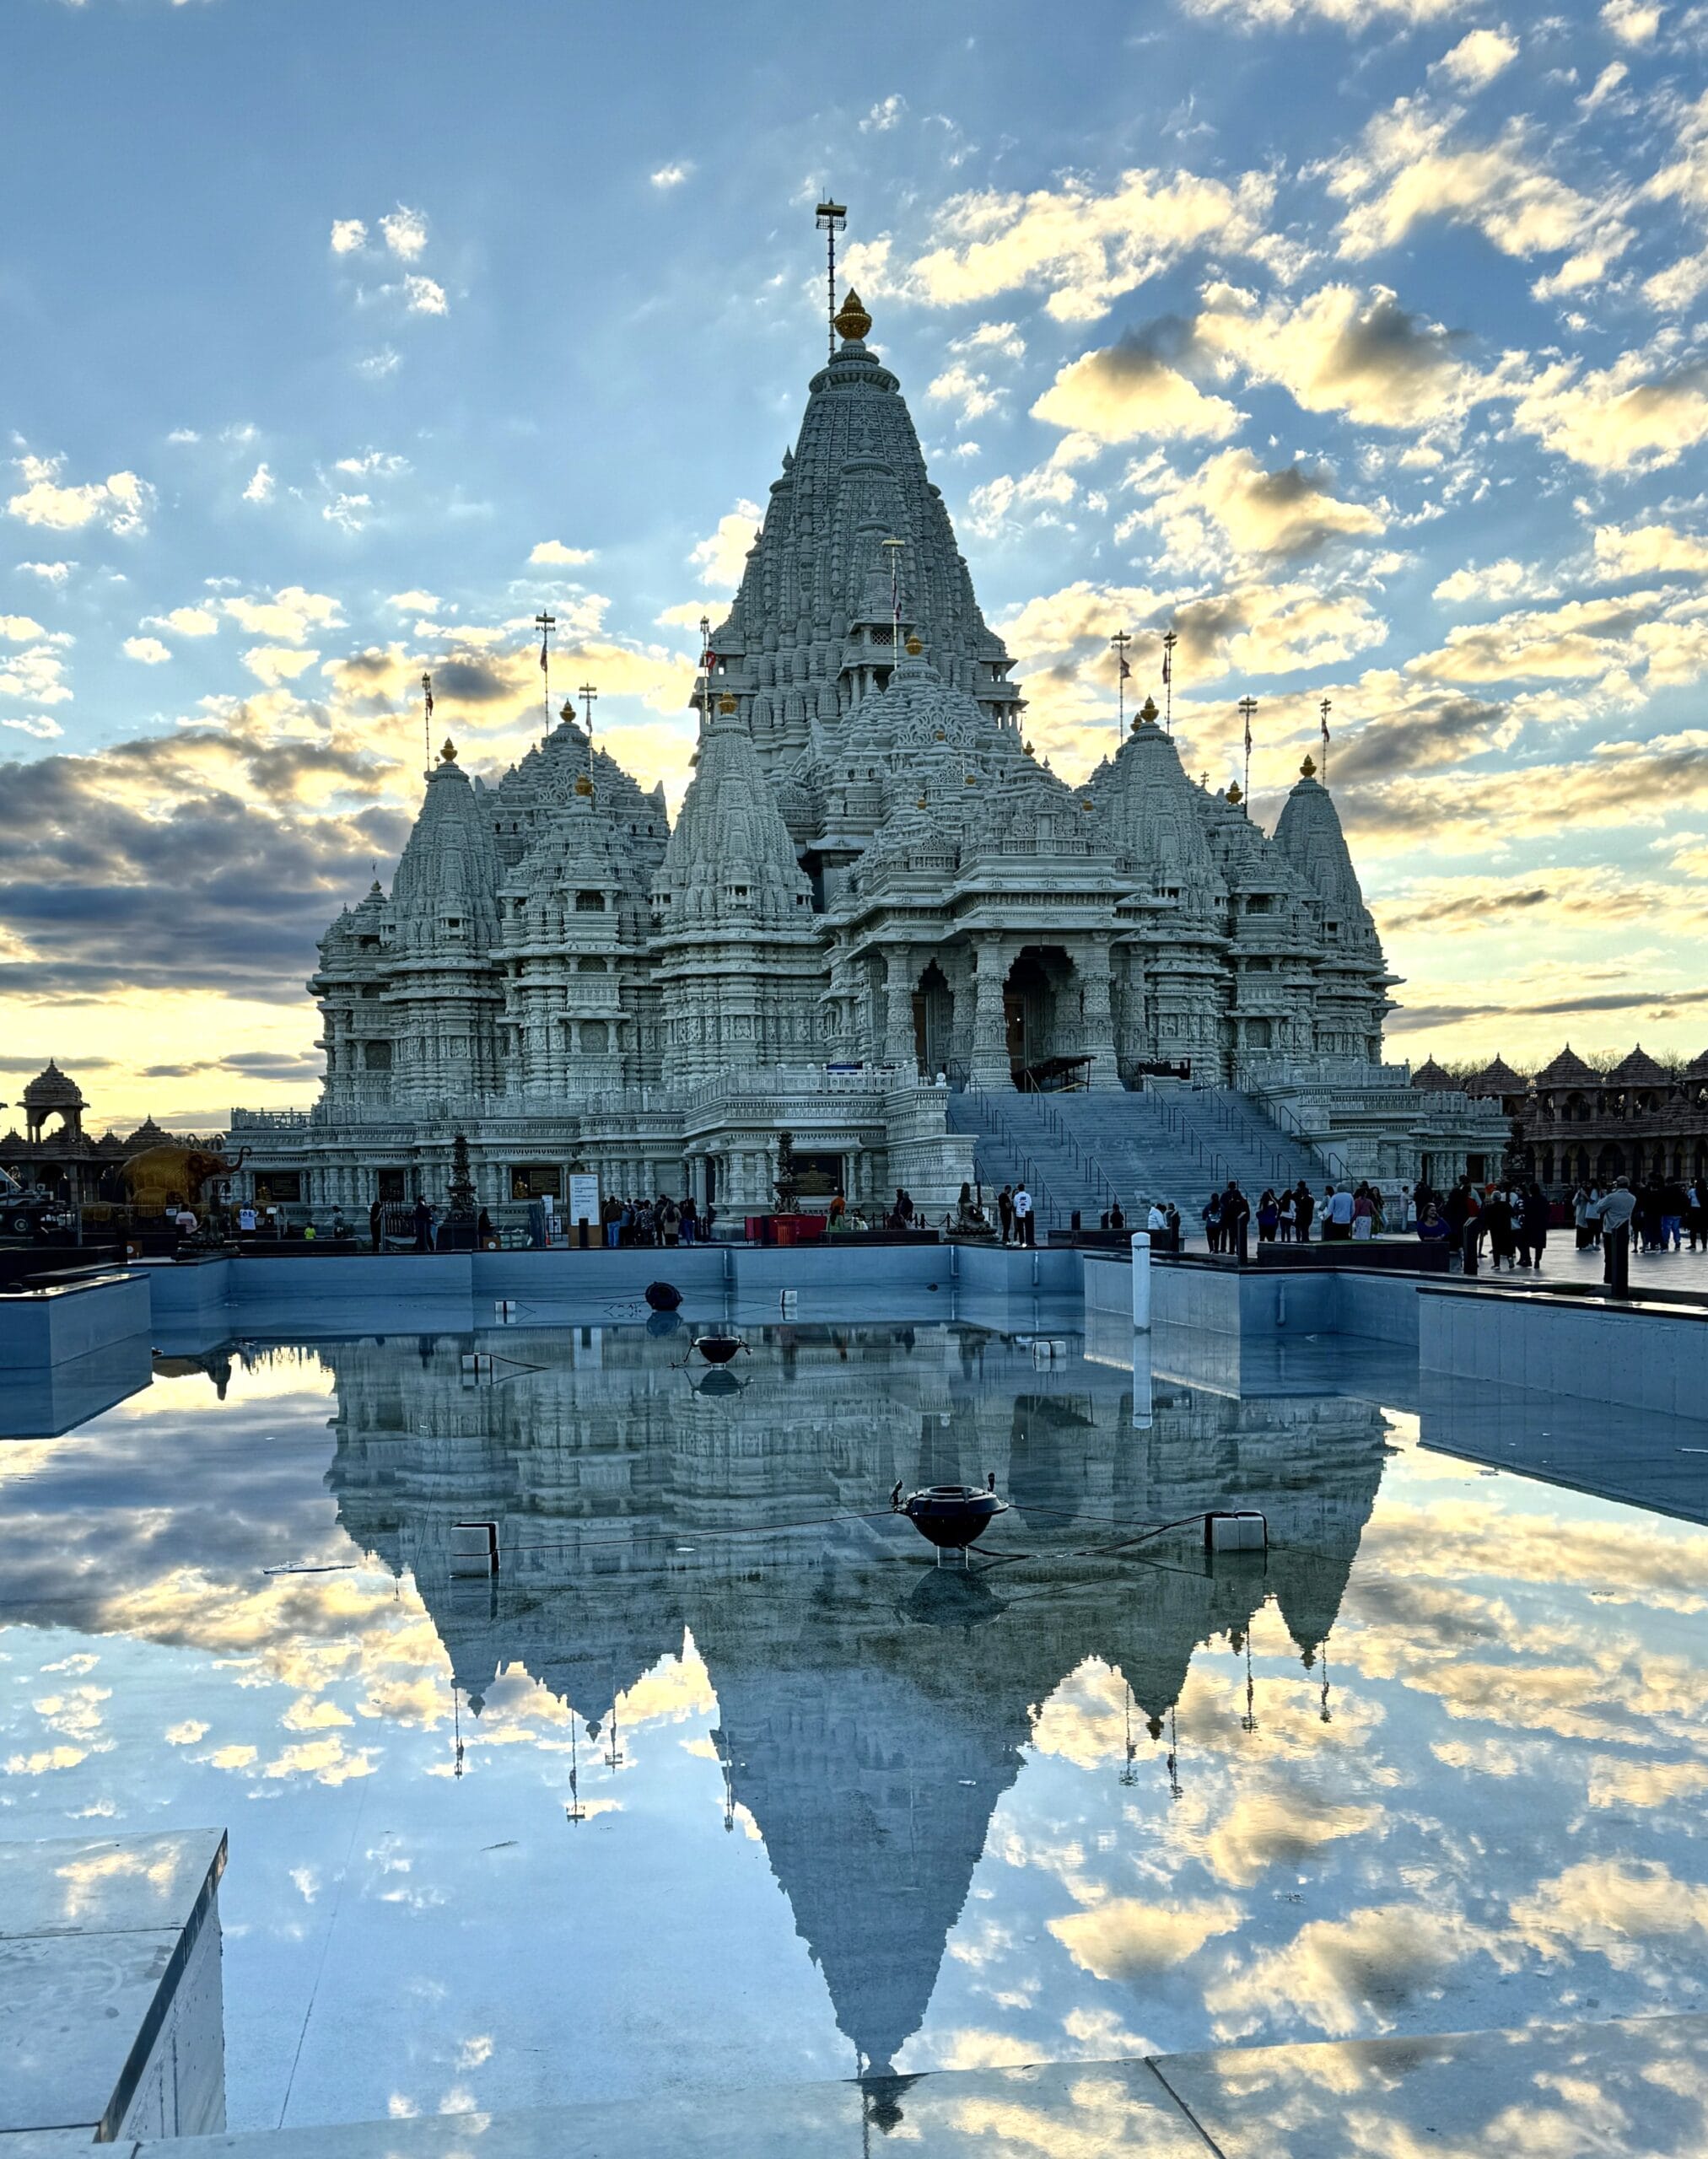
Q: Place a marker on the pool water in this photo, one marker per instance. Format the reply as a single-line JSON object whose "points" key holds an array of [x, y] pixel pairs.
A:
{"points": [[722, 1782]]}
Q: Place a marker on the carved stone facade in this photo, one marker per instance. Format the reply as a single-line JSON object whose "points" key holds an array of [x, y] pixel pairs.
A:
{"points": [[872, 882]]}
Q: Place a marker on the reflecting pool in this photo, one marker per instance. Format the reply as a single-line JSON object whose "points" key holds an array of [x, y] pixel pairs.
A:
{"points": [[722, 1782]]}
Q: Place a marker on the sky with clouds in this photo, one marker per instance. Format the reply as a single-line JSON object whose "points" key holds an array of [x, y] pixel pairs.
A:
{"points": [[1361, 341]]}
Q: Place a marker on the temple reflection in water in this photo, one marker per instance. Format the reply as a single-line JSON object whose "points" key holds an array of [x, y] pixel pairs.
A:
{"points": [[873, 1709]]}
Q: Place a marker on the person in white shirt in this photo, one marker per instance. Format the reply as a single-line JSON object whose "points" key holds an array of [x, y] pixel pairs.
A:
{"points": [[1024, 1229], [1337, 1215]]}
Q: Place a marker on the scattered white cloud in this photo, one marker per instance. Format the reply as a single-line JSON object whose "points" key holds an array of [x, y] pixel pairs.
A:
{"points": [[121, 501], [1632, 22], [261, 485], [1233, 507], [186, 622], [1497, 583], [425, 295], [1082, 248], [349, 235], [49, 572], [1648, 550], [149, 650], [405, 233], [552, 553], [884, 115], [721, 557], [670, 175], [415, 602], [1636, 416], [1477, 58], [19, 629], [1126, 391], [275, 664], [37, 675], [1404, 170], [287, 617], [376, 365], [38, 724], [349, 513], [376, 463]]}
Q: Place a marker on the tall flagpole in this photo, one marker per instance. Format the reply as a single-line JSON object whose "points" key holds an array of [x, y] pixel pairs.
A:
{"points": [[1121, 640], [1325, 709], [588, 694], [1168, 645], [427, 717], [831, 218], [705, 673], [1248, 709], [545, 624]]}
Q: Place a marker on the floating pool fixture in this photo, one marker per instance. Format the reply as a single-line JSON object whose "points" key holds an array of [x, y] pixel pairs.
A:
{"points": [[663, 1296], [787, 1299], [951, 1517], [505, 1307], [718, 1349], [474, 1548], [1239, 1529]]}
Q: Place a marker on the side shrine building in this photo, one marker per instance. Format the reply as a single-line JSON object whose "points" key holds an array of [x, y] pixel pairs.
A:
{"points": [[873, 888]]}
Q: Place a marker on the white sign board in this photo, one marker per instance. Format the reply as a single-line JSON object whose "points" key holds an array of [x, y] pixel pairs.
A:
{"points": [[583, 1198]]}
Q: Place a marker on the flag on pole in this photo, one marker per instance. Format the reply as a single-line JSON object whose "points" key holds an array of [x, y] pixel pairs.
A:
{"points": [[542, 652], [1126, 671], [428, 694]]}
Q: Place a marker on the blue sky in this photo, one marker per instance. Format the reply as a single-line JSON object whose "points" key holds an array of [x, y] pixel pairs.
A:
{"points": [[1362, 341]]}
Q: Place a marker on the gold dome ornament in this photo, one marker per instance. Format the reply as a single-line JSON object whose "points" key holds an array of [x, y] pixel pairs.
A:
{"points": [[1234, 795], [726, 703], [1146, 713], [852, 320], [584, 786], [914, 647], [1308, 769], [448, 751]]}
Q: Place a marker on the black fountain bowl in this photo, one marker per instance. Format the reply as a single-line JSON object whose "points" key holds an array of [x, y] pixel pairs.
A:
{"points": [[663, 1296], [717, 1349], [952, 1516]]}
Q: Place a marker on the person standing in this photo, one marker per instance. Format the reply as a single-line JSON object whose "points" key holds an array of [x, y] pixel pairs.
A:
{"points": [[423, 1219], [1304, 1210], [1613, 1213], [1337, 1215], [1696, 1212], [1363, 1214], [1286, 1213], [1236, 1222], [1025, 1233], [1005, 1214], [1211, 1212], [1673, 1204], [1269, 1218], [376, 1216], [1533, 1228], [691, 1218], [1497, 1220]]}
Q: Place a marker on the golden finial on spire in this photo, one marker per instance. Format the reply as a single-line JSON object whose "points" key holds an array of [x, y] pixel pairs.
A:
{"points": [[1147, 712], [584, 786], [1308, 769], [448, 751], [914, 647], [726, 703], [852, 320], [1234, 795]]}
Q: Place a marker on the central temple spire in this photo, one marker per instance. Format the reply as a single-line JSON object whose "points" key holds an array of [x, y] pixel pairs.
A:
{"points": [[812, 629]]}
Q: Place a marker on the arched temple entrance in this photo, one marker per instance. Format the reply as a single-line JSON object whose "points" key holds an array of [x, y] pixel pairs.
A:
{"points": [[1043, 1044], [933, 1020]]}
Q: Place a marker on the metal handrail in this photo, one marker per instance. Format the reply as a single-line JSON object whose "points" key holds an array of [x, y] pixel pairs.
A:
{"points": [[1001, 1129]]}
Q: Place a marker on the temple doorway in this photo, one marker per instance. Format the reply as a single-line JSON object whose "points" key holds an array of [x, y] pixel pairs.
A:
{"points": [[1040, 1055], [934, 1020]]}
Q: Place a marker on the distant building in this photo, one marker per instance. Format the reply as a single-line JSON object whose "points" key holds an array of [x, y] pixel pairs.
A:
{"points": [[872, 881], [53, 1150], [1641, 1119]]}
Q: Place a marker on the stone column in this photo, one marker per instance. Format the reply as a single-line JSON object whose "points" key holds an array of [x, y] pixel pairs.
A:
{"points": [[1097, 1023], [989, 1063], [900, 1047]]}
